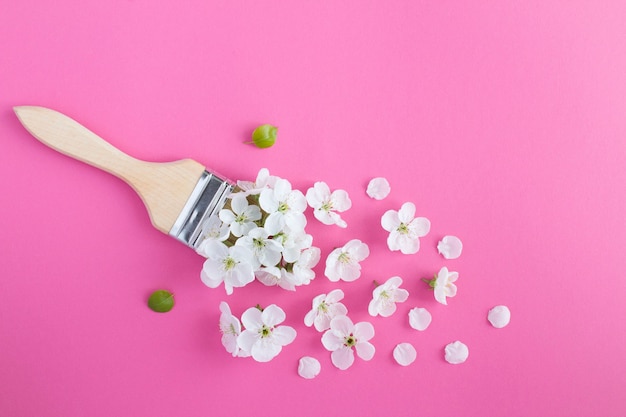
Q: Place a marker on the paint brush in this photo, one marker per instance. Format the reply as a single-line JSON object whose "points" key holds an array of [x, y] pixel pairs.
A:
{"points": [[180, 196]]}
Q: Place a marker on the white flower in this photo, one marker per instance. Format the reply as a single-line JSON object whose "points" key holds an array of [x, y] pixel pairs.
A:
{"points": [[325, 204], [263, 337], [242, 216], [303, 268], [343, 263], [285, 207], [308, 367], [450, 247], [293, 242], [232, 266], [378, 188], [444, 285], [456, 352], [325, 308], [420, 318], [499, 316], [404, 354], [213, 229], [405, 229], [343, 335], [263, 180], [385, 297], [266, 251], [230, 328]]}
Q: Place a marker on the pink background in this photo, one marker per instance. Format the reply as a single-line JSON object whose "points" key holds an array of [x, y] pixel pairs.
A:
{"points": [[504, 122]]}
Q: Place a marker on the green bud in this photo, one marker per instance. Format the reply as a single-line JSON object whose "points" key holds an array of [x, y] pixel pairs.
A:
{"points": [[161, 301], [264, 136]]}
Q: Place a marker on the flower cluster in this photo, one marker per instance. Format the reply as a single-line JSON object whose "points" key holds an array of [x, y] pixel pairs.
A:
{"points": [[261, 235]]}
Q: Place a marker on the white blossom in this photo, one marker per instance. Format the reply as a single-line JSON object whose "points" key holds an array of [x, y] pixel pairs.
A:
{"points": [[444, 285], [213, 229], [241, 217], [385, 297], [263, 180], [343, 263], [266, 251], [326, 204], [325, 307], [231, 329], [279, 276], [303, 268], [293, 242], [285, 207], [343, 336], [232, 266], [404, 229], [263, 337]]}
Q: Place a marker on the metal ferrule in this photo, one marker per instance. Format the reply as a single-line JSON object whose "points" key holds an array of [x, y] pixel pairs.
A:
{"points": [[207, 199]]}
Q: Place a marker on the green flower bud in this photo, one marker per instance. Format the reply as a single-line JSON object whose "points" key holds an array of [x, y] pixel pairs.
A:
{"points": [[264, 136], [161, 301]]}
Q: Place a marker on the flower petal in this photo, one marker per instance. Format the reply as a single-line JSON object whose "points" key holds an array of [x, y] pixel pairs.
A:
{"points": [[272, 315], [342, 358], [264, 350], [390, 220], [331, 340], [421, 226], [378, 188], [406, 212], [334, 296], [450, 247], [341, 200], [342, 325], [456, 352], [283, 335], [252, 319], [365, 350], [499, 316], [404, 354], [363, 331], [420, 318], [308, 367]]}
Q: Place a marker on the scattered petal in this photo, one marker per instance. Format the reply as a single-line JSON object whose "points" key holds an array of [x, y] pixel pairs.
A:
{"points": [[499, 316], [450, 247], [456, 352], [378, 188], [308, 367], [420, 318], [404, 354]]}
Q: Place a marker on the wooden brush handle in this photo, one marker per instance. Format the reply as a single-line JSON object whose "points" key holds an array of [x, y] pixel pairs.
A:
{"points": [[163, 187]]}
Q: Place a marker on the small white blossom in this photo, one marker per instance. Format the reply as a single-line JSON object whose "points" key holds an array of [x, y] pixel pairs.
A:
{"points": [[404, 354], [213, 229], [231, 329], [263, 337], [444, 285], [343, 335], [420, 318], [456, 352], [378, 188], [303, 268], [326, 204], [242, 216], [232, 266], [450, 247], [293, 242], [308, 367], [343, 263], [325, 307], [285, 207], [405, 229], [385, 297], [266, 251], [499, 316], [263, 180]]}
